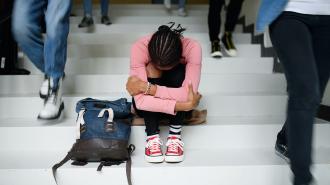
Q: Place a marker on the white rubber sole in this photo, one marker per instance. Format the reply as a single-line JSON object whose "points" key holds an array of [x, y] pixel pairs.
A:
{"points": [[231, 52], [155, 159], [216, 54], [174, 159]]}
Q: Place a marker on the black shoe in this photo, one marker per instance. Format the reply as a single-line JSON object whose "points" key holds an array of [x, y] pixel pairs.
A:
{"points": [[228, 44], [15, 71], [106, 20], [86, 22], [216, 49], [281, 149]]}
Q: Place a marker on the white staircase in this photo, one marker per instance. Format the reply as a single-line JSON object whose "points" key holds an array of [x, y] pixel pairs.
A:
{"points": [[246, 105]]}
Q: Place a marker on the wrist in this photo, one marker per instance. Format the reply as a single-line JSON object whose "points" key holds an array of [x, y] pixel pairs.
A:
{"points": [[143, 86]]}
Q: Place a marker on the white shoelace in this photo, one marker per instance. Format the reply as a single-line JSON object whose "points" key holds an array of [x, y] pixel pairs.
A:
{"points": [[154, 144], [174, 144]]}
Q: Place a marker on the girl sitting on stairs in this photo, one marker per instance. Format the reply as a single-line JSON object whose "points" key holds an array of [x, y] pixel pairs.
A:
{"points": [[164, 77]]}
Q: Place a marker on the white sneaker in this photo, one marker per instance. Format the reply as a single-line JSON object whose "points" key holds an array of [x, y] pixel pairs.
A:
{"points": [[44, 89], [167, 4], [182, 12], [54, 104]]}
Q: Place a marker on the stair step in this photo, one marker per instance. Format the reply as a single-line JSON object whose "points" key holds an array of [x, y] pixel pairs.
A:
{"points": [[113, 65], [30, 134], [247, 104], [91, 84], [141, 28], [150, 11], [129, 38], [115, 50], [133, 19], [260, 166], [138, 6]]}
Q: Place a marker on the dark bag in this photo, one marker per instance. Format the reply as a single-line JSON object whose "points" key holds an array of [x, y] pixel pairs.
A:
{"points": [[103, 129]]}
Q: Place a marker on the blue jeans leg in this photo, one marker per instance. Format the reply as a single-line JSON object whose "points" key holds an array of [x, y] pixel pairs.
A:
{"points": [[57, 23], [88, 6], [104, 7], [182, 3], [26, 28]]}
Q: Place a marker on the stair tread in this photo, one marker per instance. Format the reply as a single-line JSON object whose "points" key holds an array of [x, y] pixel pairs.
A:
{"points": [[193, 158], [211, 121]]}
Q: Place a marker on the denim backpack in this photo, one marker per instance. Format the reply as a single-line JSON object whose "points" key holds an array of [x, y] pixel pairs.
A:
{"points": [[103, 131]]}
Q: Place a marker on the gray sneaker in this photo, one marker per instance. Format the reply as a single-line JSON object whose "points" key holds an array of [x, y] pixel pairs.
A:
{"points": [[86, 22], [182, 12]]}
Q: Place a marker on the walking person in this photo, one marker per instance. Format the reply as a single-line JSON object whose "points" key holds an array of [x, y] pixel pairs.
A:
{"points": [[165, 74], [182, 7], [300, 33], [88, 14], [48, 54], [214, 24]]}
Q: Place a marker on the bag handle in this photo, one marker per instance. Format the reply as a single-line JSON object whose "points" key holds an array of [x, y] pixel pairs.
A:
{"points": [[56, 166], [111, 114], [80, 121], [130, 149]]}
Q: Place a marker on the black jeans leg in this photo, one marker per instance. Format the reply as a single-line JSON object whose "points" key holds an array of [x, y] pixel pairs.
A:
{"points": [[302, 44], [214, 18], [171, 78], [233, 12]]}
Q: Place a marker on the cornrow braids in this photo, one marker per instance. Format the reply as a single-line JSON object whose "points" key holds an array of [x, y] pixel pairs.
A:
{"points": [[165, 46]]}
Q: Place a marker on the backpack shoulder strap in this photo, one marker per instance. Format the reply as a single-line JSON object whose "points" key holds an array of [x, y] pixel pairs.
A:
{"points": [[131, 148], [56, 166]]}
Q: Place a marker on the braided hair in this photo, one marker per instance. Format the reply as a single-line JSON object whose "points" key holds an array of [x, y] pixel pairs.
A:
{"points": [[165, 46]]}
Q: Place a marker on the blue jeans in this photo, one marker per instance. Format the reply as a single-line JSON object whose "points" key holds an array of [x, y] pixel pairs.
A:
{"points": [[88, 7], [48, 54], [302, 43], [182, 3]]}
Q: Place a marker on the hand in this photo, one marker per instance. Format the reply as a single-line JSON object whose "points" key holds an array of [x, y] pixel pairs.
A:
{"points": [[193, 98], [135, 86]]}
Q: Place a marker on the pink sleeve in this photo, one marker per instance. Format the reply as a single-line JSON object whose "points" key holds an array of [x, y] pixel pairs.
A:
{"points": [[192, 52], [139, 59]]}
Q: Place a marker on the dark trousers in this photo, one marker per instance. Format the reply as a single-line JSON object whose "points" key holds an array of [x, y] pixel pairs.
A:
{"points": [[214, 17], [8, 47], [171, 78], [302, 43]]}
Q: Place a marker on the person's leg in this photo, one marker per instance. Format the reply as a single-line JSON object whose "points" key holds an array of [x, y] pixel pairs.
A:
{"points": [[57, 23], [88, 8], [104, 7], [27, 31], [104, 11], [292, 41], [57, 26], [233, 12], [182, 4], [214, 25], [321, 46], [174, 78], [88, 14], [214, 19], [153, 151], [174, 152], [167, 4], [182, 10]]}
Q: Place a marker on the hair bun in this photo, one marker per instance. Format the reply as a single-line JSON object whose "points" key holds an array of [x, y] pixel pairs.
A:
{"points": [[164, 28]]}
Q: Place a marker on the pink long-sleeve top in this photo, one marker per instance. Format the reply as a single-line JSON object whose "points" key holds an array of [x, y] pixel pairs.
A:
{"points": [[165, 98]]}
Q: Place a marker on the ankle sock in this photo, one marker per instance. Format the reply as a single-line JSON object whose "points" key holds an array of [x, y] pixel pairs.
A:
{"points": [[175, 129]]}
